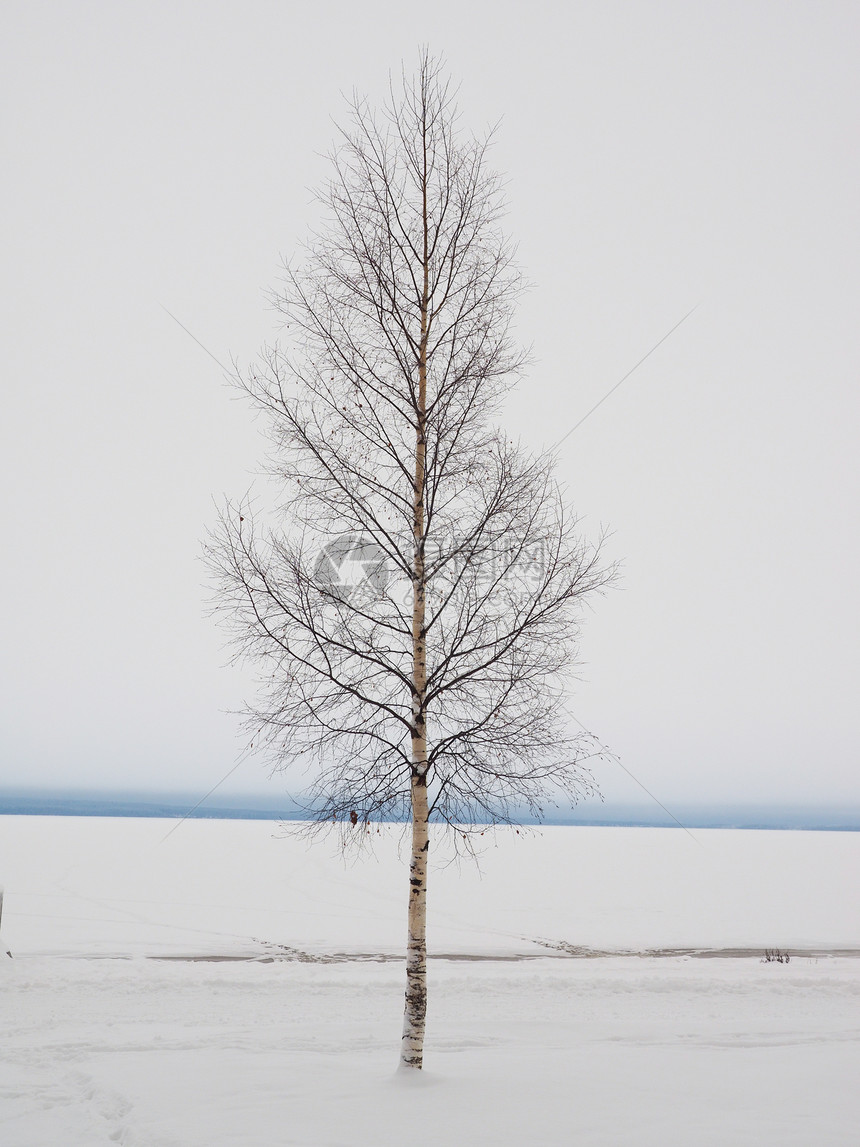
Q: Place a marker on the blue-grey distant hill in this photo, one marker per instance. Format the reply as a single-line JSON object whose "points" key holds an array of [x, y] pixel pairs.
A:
{"points": [[256, 806]]}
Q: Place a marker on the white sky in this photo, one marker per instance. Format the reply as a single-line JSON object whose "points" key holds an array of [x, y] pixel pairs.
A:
{"points": [[659, 156]]}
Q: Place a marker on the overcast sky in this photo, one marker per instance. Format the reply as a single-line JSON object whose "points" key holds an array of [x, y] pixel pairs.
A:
{"points": [[660, 156]]}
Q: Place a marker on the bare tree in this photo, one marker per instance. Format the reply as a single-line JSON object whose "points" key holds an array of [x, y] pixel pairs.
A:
{"points": [[416, 607]]}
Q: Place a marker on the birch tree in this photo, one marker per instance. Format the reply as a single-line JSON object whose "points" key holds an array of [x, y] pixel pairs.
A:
{"points": [[414, 609]]}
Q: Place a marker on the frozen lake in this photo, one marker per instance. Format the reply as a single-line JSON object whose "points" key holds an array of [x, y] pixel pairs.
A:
{"points": [[276, 1016]]}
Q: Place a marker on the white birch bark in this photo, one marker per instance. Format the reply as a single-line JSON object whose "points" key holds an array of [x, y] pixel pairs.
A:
{"points": [[415, 1009]]}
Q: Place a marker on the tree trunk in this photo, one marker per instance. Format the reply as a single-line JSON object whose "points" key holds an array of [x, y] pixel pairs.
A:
{"points": [[412, 1044], [415, 1010]]}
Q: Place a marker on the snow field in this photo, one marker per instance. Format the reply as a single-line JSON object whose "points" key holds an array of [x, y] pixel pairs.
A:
{"points": [[103, 1044]]}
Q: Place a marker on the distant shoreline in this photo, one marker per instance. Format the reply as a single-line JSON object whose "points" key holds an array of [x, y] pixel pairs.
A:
{"points": [[173, 806]]}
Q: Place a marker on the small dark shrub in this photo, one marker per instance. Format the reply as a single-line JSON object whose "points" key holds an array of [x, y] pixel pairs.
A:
{"points": [[774, 956]]}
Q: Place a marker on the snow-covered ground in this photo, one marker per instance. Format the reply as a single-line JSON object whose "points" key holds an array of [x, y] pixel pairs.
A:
{"points": [[294, 1040]]}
